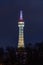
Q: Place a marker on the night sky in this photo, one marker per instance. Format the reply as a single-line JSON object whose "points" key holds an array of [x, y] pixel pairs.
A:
{"points": [[9, 17]]}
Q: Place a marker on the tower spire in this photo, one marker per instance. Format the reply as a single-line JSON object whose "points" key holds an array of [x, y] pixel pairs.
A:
{"points": [[21, 15]]}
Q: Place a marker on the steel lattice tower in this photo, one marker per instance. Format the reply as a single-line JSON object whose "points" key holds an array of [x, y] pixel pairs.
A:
{"points": [[21, 31]]}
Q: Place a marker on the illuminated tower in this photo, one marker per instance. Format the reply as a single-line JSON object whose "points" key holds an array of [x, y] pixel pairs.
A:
{"points": [[21, 33]]}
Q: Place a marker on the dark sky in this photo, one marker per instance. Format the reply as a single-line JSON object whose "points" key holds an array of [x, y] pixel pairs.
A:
{"points": [[33, 18]]}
